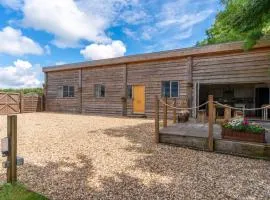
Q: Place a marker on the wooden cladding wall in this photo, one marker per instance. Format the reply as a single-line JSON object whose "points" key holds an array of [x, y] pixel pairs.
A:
{"points": [[54, 100], [151, 74], [113, 80], [243, 67], [246, 67], [9, 103]]}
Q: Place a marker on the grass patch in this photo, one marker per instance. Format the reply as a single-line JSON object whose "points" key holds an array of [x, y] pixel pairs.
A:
{"points": [[18, 192]]}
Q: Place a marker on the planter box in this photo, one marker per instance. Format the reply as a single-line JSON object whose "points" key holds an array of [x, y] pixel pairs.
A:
{"points": [[243, 136]]}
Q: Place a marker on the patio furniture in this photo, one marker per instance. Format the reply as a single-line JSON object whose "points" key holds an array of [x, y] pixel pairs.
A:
{"points": [[265, 111]]}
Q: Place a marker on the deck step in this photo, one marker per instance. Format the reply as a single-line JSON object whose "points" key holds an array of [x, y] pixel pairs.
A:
{"points": [[137, 115]]}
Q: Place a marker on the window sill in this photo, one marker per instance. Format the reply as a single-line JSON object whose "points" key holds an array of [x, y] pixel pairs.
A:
{"points": [[171, 97], [66, 97], [100, 97]]}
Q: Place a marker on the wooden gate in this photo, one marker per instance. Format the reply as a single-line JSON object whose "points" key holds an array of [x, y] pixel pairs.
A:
{"points": [[31, 103], [9, 103]]}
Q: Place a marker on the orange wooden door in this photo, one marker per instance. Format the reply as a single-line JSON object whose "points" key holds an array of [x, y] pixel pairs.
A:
{"points": [[139, 99]]}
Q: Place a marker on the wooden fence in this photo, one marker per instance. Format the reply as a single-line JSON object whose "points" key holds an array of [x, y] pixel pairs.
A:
{"points": [[12, 103]]}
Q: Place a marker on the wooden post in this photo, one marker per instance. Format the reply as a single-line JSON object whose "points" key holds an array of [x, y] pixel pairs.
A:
{"points": [[12, 151], [214, 113], [21, 102], [165, 112], [45, 91], [227, 114], [174, 111], [9, 125], [210, 123], [41, 102], [156, 120]]}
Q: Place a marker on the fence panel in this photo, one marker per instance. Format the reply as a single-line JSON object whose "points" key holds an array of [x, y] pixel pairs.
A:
{"points": [[13, 103], [9, 103], [31, 103]]}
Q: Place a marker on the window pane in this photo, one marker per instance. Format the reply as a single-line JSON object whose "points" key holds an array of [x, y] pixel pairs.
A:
{"points": [[71, 91], [102, 91], [166, 88], [97, 91], [60, 91], [174, 88], [65, 91], [129, 91]]}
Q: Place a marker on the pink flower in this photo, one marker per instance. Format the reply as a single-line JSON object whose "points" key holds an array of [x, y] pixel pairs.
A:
{"points": [[245, 122]]}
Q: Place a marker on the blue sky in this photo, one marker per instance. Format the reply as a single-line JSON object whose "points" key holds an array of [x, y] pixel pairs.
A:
{"points": [[37, 33]]}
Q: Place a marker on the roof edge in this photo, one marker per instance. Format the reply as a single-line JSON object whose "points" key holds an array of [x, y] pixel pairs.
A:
{"points": [[191, 51]]}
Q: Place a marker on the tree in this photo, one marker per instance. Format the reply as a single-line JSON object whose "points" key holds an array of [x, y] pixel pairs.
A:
{"points": [[247, 20]]}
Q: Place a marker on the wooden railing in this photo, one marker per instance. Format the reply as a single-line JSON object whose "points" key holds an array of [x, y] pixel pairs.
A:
{"points": [[174, 109]]}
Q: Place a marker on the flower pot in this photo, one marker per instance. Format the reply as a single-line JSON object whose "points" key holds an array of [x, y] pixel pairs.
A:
{"points": [[242, 136], [183, 116]]}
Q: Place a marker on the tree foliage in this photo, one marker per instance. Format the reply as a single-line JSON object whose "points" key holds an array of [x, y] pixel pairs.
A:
{"points": [[25, 90], [247, 20]]}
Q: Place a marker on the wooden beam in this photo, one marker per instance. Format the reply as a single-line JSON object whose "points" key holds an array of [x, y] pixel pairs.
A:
{"points": [[189, 80], [210, 123], [124, 101], [80, 91], [189, 69], [156, 138]]}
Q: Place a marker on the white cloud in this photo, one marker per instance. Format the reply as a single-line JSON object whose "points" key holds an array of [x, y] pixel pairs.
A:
{"points": [[71, 21], [65, 20], [101, 51], [19, 75], [185, 20], [14, 43], [134, 16], [174, 21], [148, 32], [60, 63], [130, 33], [14, 4], [47, 49]]}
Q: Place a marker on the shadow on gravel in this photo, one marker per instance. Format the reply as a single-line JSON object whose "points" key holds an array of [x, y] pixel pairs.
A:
{"points": [[197, 174], [172, 173], [65, 181]]}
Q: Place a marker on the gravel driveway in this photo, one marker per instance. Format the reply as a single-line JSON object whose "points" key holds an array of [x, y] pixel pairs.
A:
{"points": [[91, 157]]}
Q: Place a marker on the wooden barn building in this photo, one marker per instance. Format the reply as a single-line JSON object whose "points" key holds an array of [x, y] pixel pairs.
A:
{"points": [[128, 85]]}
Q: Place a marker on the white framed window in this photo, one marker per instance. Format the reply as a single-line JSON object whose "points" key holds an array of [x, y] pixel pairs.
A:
{"points": [[65, 91], [99, 90], [170, 88], [68, 91]]}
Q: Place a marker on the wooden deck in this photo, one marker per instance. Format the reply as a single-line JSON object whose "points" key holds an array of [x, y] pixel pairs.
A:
{"points": [[194, 135]]}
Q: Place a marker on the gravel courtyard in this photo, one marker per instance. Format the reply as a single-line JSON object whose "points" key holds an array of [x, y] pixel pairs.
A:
{"points": [[92, 157]]}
